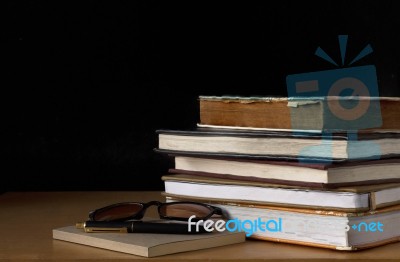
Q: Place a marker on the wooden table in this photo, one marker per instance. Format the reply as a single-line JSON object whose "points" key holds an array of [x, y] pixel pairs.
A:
{"points": [[27, 220]]}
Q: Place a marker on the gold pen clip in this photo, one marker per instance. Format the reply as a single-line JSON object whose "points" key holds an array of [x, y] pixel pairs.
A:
{"points": [[105, 230], [80, 225]]}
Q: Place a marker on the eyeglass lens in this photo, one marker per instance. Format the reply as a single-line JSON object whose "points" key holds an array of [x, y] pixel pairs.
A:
{"points": [[118, 212], [177, 210], [184, 210]]}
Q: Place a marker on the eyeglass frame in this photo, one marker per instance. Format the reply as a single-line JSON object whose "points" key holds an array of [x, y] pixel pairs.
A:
{"points": [[214, 211]]}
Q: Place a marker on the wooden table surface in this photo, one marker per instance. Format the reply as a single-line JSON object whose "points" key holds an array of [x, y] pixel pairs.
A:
{"points": [[27, 220]]}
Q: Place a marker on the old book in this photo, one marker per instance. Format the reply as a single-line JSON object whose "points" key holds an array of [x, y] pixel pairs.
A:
{"points": [[315, 175], [337, 230], [279, 145], [350, 199], [148, 245], [316, 113]]}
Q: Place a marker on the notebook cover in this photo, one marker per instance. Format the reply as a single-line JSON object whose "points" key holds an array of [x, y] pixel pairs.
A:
{"points": [[148, 245]]}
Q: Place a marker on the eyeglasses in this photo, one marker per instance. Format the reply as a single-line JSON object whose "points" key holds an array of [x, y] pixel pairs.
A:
{"points": [[173, 210]]}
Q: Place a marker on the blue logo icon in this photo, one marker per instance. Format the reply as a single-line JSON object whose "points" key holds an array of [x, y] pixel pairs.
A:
{"points": [[349, 97]]}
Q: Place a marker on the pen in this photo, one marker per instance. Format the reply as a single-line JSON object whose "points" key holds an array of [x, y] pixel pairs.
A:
{"points": [[139, 227]]}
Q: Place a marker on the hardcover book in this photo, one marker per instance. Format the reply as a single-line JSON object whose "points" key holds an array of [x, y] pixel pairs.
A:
{"points": [[349, 199], [337, 230], [279, 145], [295, 113], [315, 175]]}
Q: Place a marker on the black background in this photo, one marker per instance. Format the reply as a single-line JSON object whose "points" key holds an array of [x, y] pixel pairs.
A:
{"points": [[87, 83]]}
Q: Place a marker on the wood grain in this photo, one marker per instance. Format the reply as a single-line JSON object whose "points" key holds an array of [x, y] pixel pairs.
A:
{"points": [[27, 220]]}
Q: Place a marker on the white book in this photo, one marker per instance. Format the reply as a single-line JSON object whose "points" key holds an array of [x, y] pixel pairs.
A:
{"points": [[327, 175], [351, 199], [327, 229]]}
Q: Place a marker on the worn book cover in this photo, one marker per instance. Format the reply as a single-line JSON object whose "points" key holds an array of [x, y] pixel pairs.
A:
{"points": [[288, 114]]}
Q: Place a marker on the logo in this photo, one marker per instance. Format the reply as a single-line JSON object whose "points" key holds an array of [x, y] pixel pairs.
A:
{"points": [[349, 97], [278, 225], [233, 225]]}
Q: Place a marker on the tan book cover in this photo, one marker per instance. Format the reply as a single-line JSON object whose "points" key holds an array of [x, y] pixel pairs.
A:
{"points": [[148, 245]]}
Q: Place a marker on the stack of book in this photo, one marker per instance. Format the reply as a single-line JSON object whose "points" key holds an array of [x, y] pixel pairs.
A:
{"points": [[281, 160]]}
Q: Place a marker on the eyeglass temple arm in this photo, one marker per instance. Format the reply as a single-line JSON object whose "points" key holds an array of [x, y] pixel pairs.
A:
{"points": [[222, 212]]}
